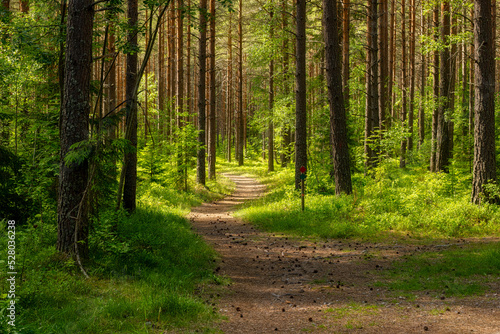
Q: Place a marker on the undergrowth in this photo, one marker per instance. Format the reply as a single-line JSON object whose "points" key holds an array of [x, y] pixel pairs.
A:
{"points": [[391, 202], [148, 271]]}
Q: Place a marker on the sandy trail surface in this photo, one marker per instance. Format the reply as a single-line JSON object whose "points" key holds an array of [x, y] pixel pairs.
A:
{"points": [[284, 284]]}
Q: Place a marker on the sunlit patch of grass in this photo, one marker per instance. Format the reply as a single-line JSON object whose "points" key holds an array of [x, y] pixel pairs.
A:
{"points": [[454, 272], [352, 310], [390, 204]]}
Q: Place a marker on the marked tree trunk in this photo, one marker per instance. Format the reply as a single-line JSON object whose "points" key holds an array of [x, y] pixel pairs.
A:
{"points": [[72, 219], [484, 121], [338, 123]]}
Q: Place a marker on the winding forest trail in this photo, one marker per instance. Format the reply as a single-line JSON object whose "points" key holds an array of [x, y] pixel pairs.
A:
{"points": [[283, 284]]}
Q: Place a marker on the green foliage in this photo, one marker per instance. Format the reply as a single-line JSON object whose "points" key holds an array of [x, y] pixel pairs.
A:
{"points": [[391, 203], [145, 270]]}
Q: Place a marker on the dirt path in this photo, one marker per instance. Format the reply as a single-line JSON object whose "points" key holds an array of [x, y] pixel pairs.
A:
{"points": [[281, 284]]}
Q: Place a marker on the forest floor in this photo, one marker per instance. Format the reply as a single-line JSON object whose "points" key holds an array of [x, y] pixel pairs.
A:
{"points": [[286, 284]]}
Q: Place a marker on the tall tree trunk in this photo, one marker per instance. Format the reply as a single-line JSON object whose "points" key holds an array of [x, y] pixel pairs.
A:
{"points": [[130, 163], [241, 124], [202, 61], [392, 57], [229, 102], [72, 220], [338, 123], [372, 122], [300, 93], [413, 72], [484, 121], [270, 162], [212, 125], [285, 155], [423, 75], [435, 18], [442, 135], [179, 96], [162, 90], [404, 82], [384, 62]]}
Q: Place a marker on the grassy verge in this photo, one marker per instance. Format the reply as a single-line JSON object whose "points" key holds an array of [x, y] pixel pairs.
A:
{"points": [[147, 271], [462, 271]]}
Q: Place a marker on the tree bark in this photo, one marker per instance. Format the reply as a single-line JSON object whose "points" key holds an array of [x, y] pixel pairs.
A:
{"points": [[229, 103], [346, 21], [241, 122], [442, 135], [484, 121], [435, 18], [300, 92], [285, 155], [372, 122], [270, 162], [212, 125], [130, 164], [72, 220], [202, 61], [404, 82], [384, 62], [338, 123], [413, 72]]}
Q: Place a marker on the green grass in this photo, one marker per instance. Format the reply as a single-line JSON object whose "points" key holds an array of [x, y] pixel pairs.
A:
{"points": [[149, 271], [390, 204], [455, 272]]}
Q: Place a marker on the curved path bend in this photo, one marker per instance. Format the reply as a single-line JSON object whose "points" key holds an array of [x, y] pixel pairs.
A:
{"points": [[287, 285]]}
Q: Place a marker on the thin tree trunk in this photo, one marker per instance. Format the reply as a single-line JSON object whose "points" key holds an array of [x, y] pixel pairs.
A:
{"points": [[392, 57], [285, 156], [338, 123], [423, 75], [484, 122], [413, 72], [212, 125], [346, 14], [436, 92], [384, 63], [202, 60], [240, 126], [229, 107], [404, 82], [270, 162], [372, 122]]}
